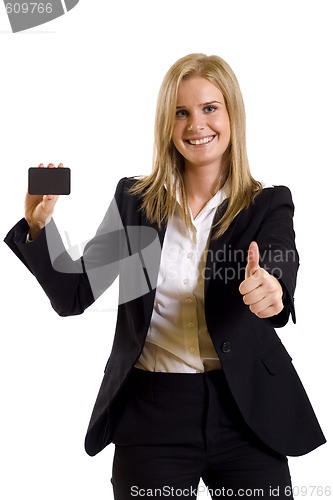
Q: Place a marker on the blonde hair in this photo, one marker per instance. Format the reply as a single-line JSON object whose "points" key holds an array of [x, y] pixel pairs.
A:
{"points": [[168, 164]]}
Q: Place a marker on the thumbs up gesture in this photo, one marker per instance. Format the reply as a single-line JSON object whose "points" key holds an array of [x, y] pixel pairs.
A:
{"points": [[261, 291]]}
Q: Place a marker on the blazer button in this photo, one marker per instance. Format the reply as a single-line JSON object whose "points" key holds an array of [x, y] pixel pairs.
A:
{"points": [[226, 347]]}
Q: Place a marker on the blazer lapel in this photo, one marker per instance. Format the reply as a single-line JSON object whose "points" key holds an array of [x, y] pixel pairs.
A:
{"points": [[151, 262], [215, 245]]}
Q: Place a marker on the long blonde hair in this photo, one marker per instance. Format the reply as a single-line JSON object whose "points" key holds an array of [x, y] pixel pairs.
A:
{"points": [[168, 164]]}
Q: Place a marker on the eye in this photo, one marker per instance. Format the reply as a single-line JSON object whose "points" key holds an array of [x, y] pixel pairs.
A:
{"points": [[210, 108], [181, 113]]}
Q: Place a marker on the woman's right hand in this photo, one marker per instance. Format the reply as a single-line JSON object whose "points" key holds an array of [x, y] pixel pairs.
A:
{"points": [[39, 208]]}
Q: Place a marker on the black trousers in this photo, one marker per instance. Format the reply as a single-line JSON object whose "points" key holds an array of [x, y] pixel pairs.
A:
{"points": [[177, 428]]}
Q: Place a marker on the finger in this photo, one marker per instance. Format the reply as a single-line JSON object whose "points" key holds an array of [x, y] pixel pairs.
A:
{"points": [[254, 296], [252, 259], [268, 312], [261, 306], [253, 282]]}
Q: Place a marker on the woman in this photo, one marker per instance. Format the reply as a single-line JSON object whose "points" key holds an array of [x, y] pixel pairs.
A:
{"points": [[198, 384]]}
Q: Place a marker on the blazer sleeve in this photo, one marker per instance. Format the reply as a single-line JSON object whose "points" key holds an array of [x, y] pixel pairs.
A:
{"points": [[72, 286], [278, 253]]}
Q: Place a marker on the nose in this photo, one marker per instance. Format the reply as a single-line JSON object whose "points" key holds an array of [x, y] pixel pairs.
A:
{"points": [[195, 124], [195, 127]]}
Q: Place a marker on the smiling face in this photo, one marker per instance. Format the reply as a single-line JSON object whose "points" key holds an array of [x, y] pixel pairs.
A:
{"points": [[201, 131]]}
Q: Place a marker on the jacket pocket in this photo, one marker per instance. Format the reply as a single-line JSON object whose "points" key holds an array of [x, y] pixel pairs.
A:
{"points": [[276, 359]]}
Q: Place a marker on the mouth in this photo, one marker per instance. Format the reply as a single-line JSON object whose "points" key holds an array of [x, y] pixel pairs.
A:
{"points": [[200, 141]]}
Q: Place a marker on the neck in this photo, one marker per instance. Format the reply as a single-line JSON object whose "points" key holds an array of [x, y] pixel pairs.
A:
{"points": [[201, 183]]}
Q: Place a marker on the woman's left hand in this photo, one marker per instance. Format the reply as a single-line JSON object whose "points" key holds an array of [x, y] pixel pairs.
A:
{"points": [[261, 291]]}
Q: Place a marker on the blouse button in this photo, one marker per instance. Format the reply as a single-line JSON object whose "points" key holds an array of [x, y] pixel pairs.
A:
{"points": [[226, 347], [185, 281]]}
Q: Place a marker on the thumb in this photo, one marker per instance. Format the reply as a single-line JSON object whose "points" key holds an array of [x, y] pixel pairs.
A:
{"points": [[252, 259], [44, 211], [48, 202]]}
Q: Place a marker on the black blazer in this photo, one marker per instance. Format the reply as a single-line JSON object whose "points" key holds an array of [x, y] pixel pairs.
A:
{"points": [[257, 366]]}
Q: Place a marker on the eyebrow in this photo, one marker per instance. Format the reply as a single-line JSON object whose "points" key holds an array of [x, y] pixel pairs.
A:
{"points": [[202, 104]]}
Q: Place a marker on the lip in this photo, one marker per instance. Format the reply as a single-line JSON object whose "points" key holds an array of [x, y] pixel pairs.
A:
{"points": [[211, 137]]}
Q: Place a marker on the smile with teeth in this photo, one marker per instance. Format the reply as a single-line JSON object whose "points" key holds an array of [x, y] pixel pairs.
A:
{"points": [[204, 140]]}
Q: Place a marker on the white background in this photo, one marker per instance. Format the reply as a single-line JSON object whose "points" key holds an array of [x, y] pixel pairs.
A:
{"points": [[82, 90]]}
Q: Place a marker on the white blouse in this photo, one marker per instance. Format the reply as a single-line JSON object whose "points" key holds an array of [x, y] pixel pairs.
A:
{"points": [[178, 339]]}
